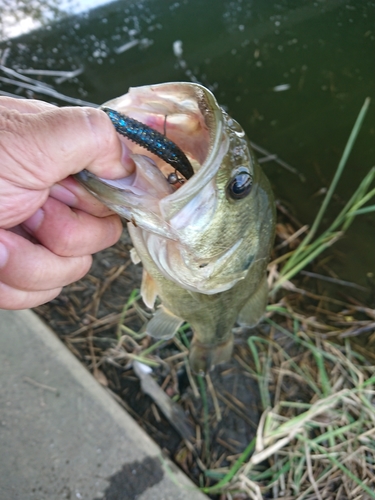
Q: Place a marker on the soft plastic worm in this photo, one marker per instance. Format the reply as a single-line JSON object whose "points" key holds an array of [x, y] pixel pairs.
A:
{"points": [[152, 140]]}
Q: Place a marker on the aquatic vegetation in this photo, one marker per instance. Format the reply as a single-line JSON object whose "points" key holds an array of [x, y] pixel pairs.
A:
{"points": [[311, 248]]}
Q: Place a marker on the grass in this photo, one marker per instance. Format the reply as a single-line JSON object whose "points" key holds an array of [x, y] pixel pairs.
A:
{"points": [[342, 420], [320, 444], [310, 248]]}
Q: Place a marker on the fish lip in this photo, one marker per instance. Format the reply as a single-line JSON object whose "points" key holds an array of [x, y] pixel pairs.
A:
{"points": [[113, 197], [209, 107]]}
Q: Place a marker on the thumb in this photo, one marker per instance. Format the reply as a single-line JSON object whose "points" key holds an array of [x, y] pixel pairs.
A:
{"points": [[43, 148]]}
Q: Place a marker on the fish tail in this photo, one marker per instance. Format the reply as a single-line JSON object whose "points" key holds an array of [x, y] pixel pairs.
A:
{"points": [[204, 357]]}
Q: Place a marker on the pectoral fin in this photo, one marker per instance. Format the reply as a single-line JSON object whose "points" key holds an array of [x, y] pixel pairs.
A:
{"points": [[163, 324], [135, 258], [148, 289], [253, 310]]}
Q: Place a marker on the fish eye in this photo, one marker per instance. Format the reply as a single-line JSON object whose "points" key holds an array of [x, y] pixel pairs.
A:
{"points": [[240, 186]]}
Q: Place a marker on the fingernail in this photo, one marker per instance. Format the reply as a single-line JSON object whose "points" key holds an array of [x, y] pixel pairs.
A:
{"points": [[4, 254], [63, 194], [33, 223]]}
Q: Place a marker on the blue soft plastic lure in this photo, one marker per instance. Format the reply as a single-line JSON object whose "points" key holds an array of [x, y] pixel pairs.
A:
{"points": [[152, 140]]}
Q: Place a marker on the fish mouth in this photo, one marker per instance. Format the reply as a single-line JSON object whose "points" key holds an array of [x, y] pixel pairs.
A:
{"points": [[153, 141], [188, 116]]}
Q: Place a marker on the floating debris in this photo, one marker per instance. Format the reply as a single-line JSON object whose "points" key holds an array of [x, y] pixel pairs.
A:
{"points": [[62, 75], [282, 87], [126, 46]]}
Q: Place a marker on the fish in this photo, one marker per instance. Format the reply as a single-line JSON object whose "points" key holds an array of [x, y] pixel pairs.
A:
{"points": [[204, 229]]}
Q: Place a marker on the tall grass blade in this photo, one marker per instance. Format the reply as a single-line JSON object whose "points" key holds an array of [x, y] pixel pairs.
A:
{"points": [[336, 178]]}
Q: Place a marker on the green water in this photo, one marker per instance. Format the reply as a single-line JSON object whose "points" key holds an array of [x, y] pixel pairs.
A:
{"points": [[321, 52]]}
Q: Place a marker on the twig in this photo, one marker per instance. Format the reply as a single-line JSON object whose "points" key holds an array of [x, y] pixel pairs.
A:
{"points": [[41, 386], [334, 280], [276, 159], [206, 428], [214, 397], [173, 412], [236, 410]]}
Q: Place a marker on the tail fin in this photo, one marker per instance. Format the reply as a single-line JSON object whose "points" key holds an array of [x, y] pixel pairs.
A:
{"points": [[204, 357]]}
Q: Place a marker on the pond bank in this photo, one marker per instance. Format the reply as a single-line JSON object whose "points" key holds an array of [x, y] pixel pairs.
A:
{"points": [[62, 435]]}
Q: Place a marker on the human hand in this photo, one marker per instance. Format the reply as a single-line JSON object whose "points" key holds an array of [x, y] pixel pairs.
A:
{"points": [[49, 224]]}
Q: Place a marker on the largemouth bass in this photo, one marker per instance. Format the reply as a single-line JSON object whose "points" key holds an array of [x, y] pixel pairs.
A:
{"points": [[204, 239]]}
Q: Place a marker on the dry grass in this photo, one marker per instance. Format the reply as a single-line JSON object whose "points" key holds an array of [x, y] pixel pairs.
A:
{"points": [[318, 442]]}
